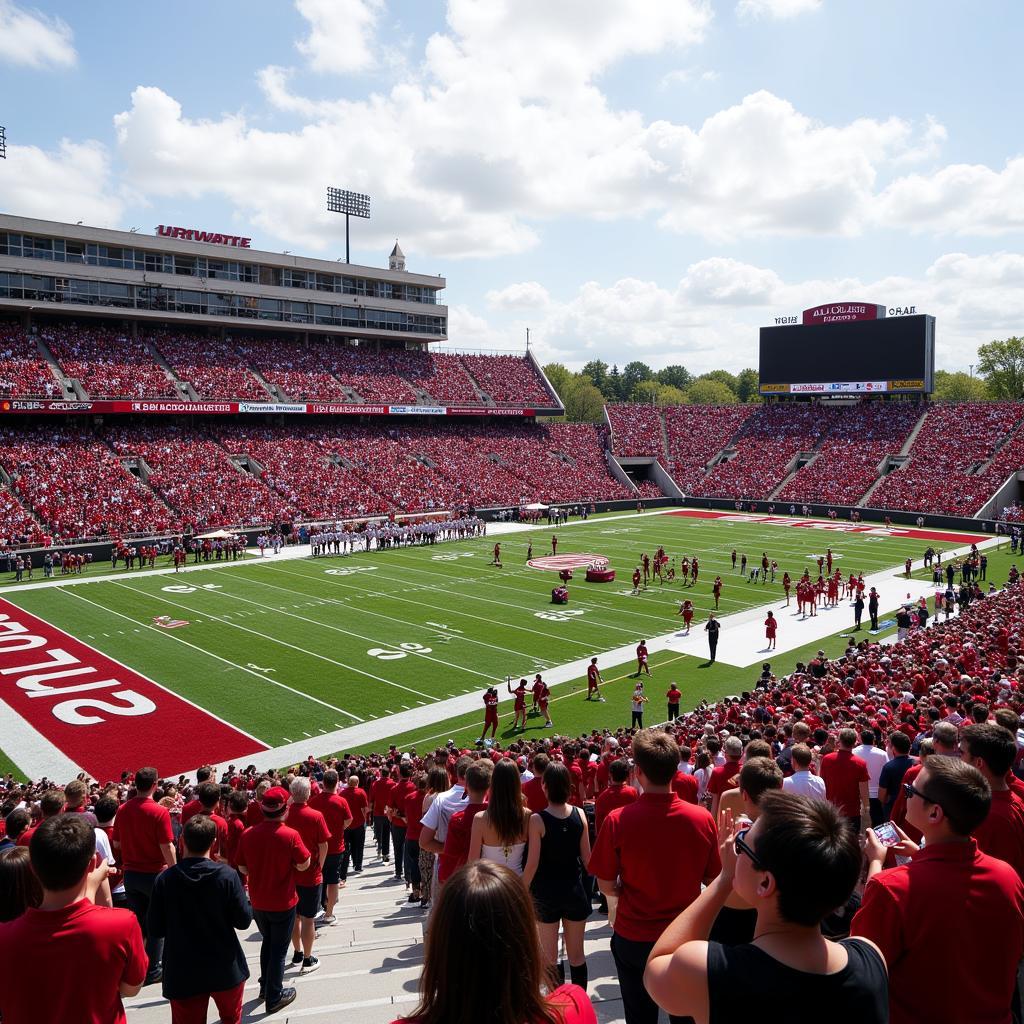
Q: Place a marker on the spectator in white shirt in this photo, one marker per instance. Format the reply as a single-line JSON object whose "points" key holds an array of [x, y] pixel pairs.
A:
{"points": [[875, 760], [802, 781], [439, 813]]}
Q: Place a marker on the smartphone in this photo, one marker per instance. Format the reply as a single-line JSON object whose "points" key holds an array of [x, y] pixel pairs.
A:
{"points": [[886, 834]]}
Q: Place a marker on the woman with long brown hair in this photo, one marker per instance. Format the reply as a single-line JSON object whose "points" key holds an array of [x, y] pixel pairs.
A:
{"points": [[19, 888], [483, 961], [437, 783], [499, 833]]}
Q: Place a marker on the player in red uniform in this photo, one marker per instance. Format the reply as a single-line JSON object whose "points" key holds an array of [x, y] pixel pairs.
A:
{"points": [[645, 561], [684, 571], [641, 659], [771, 624], [554, 544], [543, 701], [520, 703], [828, 559], [821, 562], [686, 610], [497, 556], [786, 584], [833, 591], [716, 589], [593, 678], [636, 580], [537, 689], [490, 713], [694, 569]]}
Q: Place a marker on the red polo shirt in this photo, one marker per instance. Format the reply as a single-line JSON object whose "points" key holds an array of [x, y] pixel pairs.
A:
{"points": [[662, 849], [190, 810], [843, 772], [950, 925], [686, 787], [358, 802], [618, 794], [456, 843], [71, 963], [336, 812], [380, 794], [269, 852], [725, 776], [413, 811], [140, 827], [1001, 834], [310, 825], [253, 813], [534, 793]]}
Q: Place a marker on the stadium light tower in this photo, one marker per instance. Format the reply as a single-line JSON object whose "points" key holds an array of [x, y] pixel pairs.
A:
{"points": [[3, 142], [352, 204]]}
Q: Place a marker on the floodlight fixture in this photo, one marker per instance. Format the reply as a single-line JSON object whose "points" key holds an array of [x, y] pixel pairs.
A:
{"points": [[351, 204]]}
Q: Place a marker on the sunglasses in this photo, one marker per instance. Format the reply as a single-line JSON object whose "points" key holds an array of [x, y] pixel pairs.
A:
{"points": [[910, 791], [747, 850]]}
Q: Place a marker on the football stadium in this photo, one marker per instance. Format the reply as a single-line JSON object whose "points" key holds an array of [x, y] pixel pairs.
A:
{"points": [[354, 671]]}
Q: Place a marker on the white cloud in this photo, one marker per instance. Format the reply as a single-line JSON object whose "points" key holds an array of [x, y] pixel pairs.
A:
{"points": [[33, 39], [710, 319], [342, 35], [778, 9], [687, 76], [520, 296], [71, 183], [958, 199]]}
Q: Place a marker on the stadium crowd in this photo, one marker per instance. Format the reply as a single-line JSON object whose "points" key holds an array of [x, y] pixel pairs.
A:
{"points": [[213, 368], [22, 370], [723, 845]]}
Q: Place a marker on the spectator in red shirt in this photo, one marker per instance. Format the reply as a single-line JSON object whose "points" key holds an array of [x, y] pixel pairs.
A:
{"points": [[481, 914], [950, 898], [209, 804], [402, 788], [618, 794], [338, 816], [413, 813], [846, 779], [271, 856], [653, 855], [315, 834], [380, 797], [355, 835], [533, 791], [51, 803], [144, 844], [194, 806], [991, 749], [796, 864], [725, 775], [460, 825], [238, 804], [75, 960]]}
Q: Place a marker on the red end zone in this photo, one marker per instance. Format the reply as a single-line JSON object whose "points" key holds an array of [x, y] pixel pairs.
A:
{"points": [[913, 533], [102, 715]]}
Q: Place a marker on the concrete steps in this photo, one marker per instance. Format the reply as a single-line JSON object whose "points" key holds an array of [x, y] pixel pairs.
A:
{"points": [[370, 962]]}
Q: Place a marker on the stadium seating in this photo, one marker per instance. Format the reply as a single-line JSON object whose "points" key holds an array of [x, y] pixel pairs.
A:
{"points": [[76, 486], [696, 434], [23, 372], [637, 430], [941, 475], [195, 478], [369, 374], [17, 526], [848, 459], [213, 368], [508, 380], [297, 369], [107, 363]]}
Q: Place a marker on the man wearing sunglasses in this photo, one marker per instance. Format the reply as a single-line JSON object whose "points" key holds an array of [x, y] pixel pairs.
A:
{"points": [[950, 923]]}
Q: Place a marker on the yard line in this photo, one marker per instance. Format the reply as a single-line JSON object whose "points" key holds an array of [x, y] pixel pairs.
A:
{"points": [[232, 596], [283, 643], [368, 611], [210, 654]]}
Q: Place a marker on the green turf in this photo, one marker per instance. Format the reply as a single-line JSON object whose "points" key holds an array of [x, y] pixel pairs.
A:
{"points": [[8, 767], [293, 649]]}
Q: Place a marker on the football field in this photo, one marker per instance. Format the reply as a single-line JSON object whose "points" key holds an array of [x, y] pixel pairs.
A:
{"points": [[274, 658]]}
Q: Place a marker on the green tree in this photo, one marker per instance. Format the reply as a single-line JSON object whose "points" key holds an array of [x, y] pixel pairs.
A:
{"points": [[708, 391], [613, 388], [597, 371], [747, 382], [650, 392], [675, 376], [960, 387], [1001, 363], [723, 377], [559, 377], [633, 374], [583, 402]]}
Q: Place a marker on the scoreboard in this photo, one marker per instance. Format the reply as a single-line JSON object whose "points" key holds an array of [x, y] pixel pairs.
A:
{"points": [[849, 357]]}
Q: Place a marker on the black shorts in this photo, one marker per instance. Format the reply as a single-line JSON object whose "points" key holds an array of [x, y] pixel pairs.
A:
{"points": [[309, 900], [571, 904], [332, 869]]}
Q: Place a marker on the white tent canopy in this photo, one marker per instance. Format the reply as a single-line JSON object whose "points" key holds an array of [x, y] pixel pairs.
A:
{"points": [[216, 535], [535, 507]]}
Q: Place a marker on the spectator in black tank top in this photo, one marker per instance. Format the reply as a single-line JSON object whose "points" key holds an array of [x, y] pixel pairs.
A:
{"points": [[795, 864]]}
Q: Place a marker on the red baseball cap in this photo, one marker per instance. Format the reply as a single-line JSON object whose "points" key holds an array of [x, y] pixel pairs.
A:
{"points": [[274, 800]]}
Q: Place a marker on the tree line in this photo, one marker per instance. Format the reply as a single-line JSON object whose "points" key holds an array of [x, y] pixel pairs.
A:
{"points": [[585, 393], [999, 376]]}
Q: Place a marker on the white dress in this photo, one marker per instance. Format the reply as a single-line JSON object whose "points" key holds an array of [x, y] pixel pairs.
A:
{"points": [[513, 857]]}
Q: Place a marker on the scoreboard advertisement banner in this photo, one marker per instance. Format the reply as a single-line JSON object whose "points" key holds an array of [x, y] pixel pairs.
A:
{"points": [[848, 349]]}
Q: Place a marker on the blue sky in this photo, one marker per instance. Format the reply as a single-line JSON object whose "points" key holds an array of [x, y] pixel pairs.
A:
{"points": [[650, 179]]}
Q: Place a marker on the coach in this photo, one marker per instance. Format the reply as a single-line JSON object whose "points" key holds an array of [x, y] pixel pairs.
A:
{"points": [[711, 627]]}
